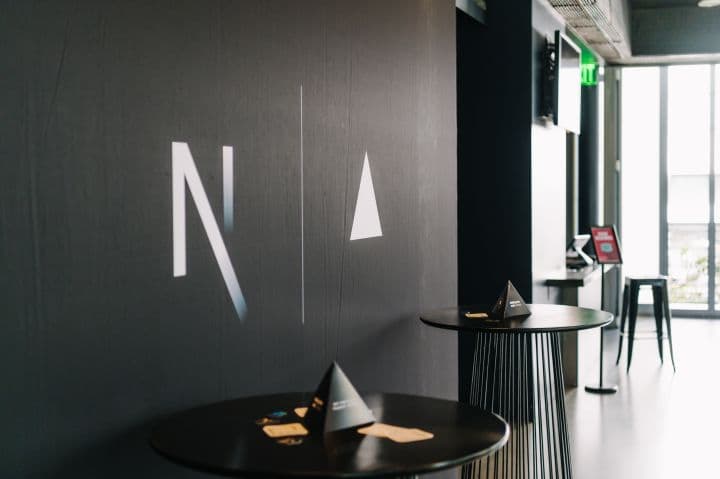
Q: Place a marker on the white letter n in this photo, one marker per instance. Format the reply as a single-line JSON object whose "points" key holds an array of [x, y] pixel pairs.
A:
{"points": [[184, 170]]}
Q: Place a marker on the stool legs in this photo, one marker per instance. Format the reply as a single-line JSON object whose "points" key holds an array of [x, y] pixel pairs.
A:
{"points": [[623, 317], [661, 307], [658, 305], [634, 292], [666, 304]]}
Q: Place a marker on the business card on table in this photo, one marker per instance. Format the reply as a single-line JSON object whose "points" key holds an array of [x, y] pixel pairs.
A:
{"points": [[300, 411], [476, 315], [396, 433], [377, 429], [264, 421], [284, 430], [404, 434]]}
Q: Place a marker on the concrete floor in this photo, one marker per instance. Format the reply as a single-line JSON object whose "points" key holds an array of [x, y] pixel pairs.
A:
{"points": [[659, 425]]}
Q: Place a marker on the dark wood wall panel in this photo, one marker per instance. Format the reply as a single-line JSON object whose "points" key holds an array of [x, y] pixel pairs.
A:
{"points": [[98, 339]]}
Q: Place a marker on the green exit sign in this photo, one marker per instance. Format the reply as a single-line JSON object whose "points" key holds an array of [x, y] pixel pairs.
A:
{"points": [[588, 68], [588, 74]]}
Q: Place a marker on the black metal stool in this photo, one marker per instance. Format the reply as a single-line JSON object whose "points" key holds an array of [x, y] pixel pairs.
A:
{"points": [[660, 304]]}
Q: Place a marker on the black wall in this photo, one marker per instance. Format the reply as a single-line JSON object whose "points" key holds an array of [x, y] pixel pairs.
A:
{"points": [[511, 162], [98, 339], [494, 100], [589, 159]]}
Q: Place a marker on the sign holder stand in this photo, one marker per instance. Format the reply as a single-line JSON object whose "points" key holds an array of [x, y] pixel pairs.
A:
{"points": [[600, 388], [607, 250]]}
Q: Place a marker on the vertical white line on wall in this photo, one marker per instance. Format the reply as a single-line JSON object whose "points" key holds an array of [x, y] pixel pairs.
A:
{"points": [[228, 187], [302, 214]]}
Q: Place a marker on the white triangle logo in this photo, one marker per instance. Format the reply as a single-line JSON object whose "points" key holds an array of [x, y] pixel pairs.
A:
{"points": [[366, 223]]}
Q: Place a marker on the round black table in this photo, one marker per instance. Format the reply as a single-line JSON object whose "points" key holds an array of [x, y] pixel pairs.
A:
{"points": [[517, 373], [224, 438]]}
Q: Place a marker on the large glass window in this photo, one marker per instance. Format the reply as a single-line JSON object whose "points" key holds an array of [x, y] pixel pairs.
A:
{"points": [[670, 191], [688, 171], [716, 173], [640, 228]]}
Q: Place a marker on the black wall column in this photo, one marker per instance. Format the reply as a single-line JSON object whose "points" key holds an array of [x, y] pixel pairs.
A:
{"points": [[511, 161], [588, 164]]}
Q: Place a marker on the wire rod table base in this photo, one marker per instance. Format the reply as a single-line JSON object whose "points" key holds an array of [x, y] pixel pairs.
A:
{"points": [[519, 376]]}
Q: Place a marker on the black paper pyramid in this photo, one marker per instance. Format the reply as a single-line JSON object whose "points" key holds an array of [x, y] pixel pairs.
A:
{"points": [[510, 304], [336, 405]]}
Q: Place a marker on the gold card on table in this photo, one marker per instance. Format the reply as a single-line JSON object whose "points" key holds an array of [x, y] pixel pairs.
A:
{"points": [[284, 430], [396, 433], [476, 315]]}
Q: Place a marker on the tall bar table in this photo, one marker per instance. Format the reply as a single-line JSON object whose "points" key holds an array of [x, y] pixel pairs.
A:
{"points": [[223, 438], [517, 373]]}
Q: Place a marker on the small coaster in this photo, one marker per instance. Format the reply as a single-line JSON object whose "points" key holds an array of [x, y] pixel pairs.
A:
{"points": [[283, 430], [396, 433], [264, 421], [378, 429], [277, 414], [410, 435]]}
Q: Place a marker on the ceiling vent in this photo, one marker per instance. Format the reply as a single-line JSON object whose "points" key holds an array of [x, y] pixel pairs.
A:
{"points": [[602, 24]]}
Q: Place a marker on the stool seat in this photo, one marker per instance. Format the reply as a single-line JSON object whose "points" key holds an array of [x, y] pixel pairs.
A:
{"points": [[661, 307], [659, 280], [647, 280]]}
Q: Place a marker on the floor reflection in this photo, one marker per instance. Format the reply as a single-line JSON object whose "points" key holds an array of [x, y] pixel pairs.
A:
{"points": [[659, 425]]}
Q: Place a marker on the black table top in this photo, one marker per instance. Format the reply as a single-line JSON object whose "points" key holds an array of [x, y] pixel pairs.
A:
{"points": [[223, 438], [544, 318]]}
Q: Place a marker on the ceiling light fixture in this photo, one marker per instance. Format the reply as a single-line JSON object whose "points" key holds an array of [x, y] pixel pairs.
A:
{"points": [[709, 3]]}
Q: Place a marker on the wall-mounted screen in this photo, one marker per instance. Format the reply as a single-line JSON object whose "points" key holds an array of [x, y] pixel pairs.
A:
{"points": [[567, 93]]}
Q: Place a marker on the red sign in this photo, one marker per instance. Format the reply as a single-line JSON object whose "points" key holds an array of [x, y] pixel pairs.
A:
{"points": [[605, 242]]}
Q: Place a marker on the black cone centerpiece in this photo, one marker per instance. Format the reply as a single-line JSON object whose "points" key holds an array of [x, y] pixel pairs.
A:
{"points": [[510, 304], [336, 405]]}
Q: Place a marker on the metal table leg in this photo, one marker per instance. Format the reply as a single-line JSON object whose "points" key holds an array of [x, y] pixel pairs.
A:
{"points": [[519, 377]]}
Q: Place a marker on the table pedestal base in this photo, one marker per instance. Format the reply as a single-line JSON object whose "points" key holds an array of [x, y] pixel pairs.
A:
{"points": [[519, 376]]}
